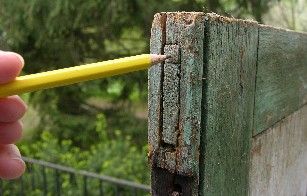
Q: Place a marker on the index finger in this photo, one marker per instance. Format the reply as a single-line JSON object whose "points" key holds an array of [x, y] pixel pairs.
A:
{"points": [[10, 66]]}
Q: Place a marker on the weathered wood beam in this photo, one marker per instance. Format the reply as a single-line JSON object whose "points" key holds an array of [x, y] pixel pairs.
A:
{"points": [[175, 89]]}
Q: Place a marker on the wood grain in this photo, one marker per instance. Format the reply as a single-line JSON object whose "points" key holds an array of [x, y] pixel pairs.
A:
{"points": [[228, 100], [281, 86], [279, 158]]}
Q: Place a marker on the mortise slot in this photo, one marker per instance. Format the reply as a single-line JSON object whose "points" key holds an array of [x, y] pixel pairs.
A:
{"points": [[167, 146], [177, 189]]}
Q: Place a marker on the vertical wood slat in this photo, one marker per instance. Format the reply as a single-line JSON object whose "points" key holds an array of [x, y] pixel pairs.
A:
{"points": [[230, 64], [191, 59], [154, 85]]}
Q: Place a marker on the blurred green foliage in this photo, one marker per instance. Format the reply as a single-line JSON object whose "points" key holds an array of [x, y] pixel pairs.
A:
{"points": [[99, 125], [115, 156]]}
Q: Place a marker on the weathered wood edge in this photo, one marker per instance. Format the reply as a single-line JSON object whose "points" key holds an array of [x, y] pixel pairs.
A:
{"points": [[155, 76], [157, 43], [227, 106], [281, 85]]}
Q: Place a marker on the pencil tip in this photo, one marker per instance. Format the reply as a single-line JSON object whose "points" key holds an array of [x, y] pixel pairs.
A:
{"points": [[156, 58]]}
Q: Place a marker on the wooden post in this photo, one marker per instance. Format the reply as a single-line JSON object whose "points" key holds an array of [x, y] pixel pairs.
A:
{"points": [[175, 89], [224, 84]]}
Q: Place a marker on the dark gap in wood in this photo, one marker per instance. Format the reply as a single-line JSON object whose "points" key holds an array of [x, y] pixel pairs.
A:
{"points": [[179, 133], [186, 184], [173, 184], [202, 145], [158, 177], [177, 188], [256, 71], [166, 145], [163, 23]]}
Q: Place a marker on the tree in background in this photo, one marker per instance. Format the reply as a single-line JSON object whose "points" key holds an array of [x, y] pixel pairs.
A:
{"points": [[240, 8], [291, 14]]}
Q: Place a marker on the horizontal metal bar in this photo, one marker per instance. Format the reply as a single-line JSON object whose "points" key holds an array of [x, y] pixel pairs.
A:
{"points": [[88, 174]]}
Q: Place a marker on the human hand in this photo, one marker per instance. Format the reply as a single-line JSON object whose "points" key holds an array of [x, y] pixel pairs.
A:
{"points": [[11, 110]]}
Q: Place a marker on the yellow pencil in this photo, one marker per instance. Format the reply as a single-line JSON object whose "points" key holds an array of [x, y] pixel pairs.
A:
{"points": [[71, 75]]}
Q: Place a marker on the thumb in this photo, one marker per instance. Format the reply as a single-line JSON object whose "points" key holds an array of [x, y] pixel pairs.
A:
{"points": [[10, 66]]}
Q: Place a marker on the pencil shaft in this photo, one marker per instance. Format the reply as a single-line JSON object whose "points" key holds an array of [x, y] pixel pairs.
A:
{"points": [[75, 74]]}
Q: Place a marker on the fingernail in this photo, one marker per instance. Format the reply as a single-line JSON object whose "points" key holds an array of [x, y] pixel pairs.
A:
{"points": [[15, 153], [22, 163], [19, 57]]}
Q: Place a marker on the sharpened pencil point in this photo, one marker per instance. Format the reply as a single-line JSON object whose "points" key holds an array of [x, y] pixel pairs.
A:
{"points": [[156, 58]]}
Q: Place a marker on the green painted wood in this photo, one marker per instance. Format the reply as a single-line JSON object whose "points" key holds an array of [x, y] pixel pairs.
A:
{"points": [[281, 86], [227, 109]]}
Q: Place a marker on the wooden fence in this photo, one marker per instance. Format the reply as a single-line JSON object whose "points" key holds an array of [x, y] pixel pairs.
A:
{"points": [[227, 113]]}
